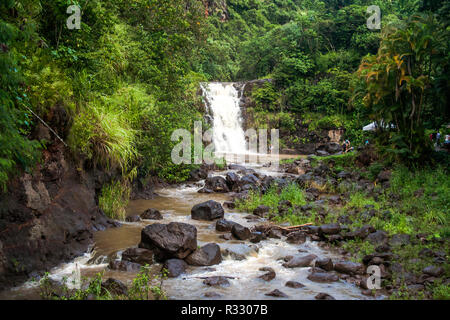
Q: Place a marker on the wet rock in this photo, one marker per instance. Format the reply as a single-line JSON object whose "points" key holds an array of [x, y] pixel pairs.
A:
{"points": [[335, 238], [270, 275], [124, 266], [378, 237], [229, 205], [349, 267], [217, 281], [231, 179], [114, 287], [173, 240], [323, 277], [138, 255], [324, 296], [198, 174], [175, 267], [241, 232], [132, 219], [297, 237], [325, 264], [274, 234], [151, 214], [300, 261], [224, 225], [433, 271], [252, 218], [256, 237], [205, 190], [261, 211], [207, 255], [312, 230], [217, 184], [294, 285], [329, 229], [277, 294], [212, 295], [239, 251], [226, 236], [209, 210]]}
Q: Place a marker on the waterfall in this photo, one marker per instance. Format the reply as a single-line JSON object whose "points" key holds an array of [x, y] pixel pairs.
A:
{"points": [[223, 105]]}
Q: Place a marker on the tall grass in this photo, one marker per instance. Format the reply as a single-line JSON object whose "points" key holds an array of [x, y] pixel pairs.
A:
{"points": [[104, 135], [114, 199]]}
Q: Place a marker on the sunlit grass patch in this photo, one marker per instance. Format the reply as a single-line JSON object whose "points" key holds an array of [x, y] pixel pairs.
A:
{"points": [[272, 197]]}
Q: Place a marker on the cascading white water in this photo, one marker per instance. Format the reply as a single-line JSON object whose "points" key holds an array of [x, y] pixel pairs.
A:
{"points": [[223, 103]]}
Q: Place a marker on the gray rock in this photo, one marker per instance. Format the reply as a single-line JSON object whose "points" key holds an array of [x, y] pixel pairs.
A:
{"points": [[124, 266], [241, 232], [261, 211], [217, 281], [209, 210], [175, 267], [329, 229], [434, 271], [239, 251], [224, 225], [297, 237], [324, 296], [325, 264], [207, 255], [378, 237], [294, 285], [114, 287], [151, 214], [400, 240], [133, 219], [300, 261], [173, 240], [277, 294], [138, 255], [349, 267], [270, 275], [323, 277]]}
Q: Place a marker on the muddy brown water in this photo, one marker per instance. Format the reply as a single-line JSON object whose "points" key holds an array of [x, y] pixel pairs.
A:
{"points": [[175, 204]]}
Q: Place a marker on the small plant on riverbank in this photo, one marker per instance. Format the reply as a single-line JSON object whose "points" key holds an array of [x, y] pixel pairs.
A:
{"points": [[144, 287]]}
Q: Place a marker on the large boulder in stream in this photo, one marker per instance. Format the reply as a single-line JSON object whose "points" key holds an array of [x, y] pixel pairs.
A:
{"points": [[207, 255], [224, 225], [241, 232], [173, 240], [217, 184], [209, 210], [300, 261]]}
